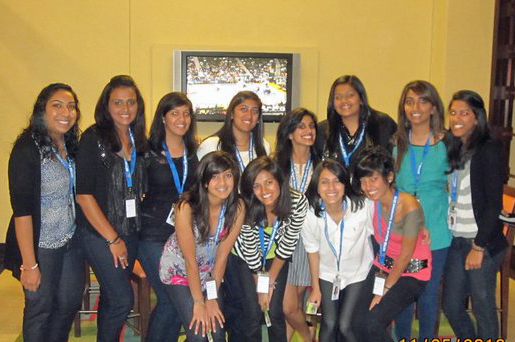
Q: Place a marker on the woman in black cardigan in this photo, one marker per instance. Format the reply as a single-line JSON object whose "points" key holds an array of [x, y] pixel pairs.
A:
{"points": [[41, 249], [478, 245], [351, 123]]}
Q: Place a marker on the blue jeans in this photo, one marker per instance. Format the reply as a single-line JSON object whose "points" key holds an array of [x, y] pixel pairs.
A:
{"points": [[183, 301], [479, 284], [427, 303], [164, 324], [49, 312], [344, 317], [405, 291], [116, 295]]}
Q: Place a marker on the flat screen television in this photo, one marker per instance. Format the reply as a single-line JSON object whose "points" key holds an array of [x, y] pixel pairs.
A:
{"points": [[210, 79]]}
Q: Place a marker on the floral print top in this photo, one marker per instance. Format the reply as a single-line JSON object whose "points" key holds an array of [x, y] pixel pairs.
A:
{"points": [[172, 267]]}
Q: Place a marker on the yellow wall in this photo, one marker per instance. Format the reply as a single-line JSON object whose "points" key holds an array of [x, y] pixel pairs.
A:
{"points": [[385, 43]]}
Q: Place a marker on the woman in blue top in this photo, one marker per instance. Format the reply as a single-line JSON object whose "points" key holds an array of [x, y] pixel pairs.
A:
{"points": [[421, 163]]}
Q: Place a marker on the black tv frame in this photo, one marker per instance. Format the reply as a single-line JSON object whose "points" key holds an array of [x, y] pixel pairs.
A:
{"points": [[221, 117]]}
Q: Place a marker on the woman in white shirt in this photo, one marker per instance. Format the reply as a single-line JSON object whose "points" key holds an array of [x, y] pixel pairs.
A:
{"points": [[241, 134], [241, 137], [336, 235]]}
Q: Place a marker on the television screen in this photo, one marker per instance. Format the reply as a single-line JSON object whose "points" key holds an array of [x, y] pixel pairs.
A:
{"points": [[211, 79]]}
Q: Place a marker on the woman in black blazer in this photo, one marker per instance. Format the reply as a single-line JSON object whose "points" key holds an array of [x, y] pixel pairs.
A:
{"points": [[478, 245]]}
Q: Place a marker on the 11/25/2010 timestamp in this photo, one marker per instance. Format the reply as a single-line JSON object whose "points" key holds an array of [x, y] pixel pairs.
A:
{"points": [[451, 339]]}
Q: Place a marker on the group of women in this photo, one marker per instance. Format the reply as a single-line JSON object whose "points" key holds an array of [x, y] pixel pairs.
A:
{"points": [[231, 238]]}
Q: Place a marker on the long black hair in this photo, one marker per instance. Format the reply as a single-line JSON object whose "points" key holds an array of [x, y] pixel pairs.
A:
{"points": [[197, 197], [458, 153], [343, 176], [427, 91], [37, 125], [104, 121], [157, 129], [284, 147], [225, 134], [255, 209], [334, 119]]}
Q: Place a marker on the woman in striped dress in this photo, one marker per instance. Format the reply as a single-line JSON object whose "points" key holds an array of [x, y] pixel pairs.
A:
{"points": [[267, 240], [297, 155]]}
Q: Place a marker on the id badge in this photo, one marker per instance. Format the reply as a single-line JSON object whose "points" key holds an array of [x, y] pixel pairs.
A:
{"points": [[263, 282], [210, 337], [379, 282], [267, 319], [130, 207], [311, 308], [335, 293], [211, 289], [169, 218], [452, 216]]}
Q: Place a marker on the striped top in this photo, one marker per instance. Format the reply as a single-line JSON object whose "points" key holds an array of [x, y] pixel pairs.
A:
{"points": [[247, 245], [466, 225]]}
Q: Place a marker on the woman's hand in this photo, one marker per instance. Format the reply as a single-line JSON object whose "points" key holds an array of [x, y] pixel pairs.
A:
{"points": [[375, 301], [474, 259], [119, 252], [30, 279], [427, 237], [264, 301], [214, 314], [315, 297], [199, 321]]}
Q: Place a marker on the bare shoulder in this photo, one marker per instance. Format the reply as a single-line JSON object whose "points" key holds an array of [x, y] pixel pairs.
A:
{"points": [[241, 207], [408, 203]]}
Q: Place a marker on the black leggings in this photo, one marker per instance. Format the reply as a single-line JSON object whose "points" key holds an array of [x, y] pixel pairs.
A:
{"points": [[252, 315], [344, 317]]}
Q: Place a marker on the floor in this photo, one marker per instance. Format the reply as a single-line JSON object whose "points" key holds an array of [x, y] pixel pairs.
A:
{"points": [[11, 309]]}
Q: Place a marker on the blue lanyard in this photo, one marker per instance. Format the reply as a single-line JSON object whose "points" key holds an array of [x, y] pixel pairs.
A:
{"points": [[219, 226], [304, 180], [416, 171], [251, 153], [129, 172], [266, 250], [333, 250], [70, 167], [178, 185], [383, 247], [345, 154], [454, 187]]}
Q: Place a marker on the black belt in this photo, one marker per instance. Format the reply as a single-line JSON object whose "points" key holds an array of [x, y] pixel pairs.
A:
{"points": [[414, 265]]}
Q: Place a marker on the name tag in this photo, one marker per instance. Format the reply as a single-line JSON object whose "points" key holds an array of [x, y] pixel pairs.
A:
{"points": [[169, 218], [311, 308], [211, 289], [263, 283], [267, 319], [379, 282], [452, 217], [335, 293], [130, 207]]}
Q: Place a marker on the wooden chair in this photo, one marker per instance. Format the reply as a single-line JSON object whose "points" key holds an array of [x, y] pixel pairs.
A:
{"points": [[138, 318], [509, 232]]}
